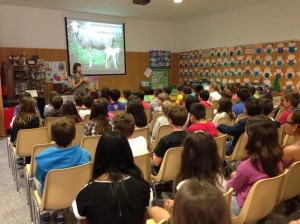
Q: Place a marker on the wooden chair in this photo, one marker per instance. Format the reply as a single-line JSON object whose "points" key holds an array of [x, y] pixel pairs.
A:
{"points": [[291, 183], [48, 123], [90, 143], [61, 188], [155, 117], [152, 221], [240, 117], [209, 113], [225, 120], [288, 140], [86, 118], [148, 114], [215, 104], [79, 133], [281, 134], [162, 132], [26, 140], [227, 196], [115, 112], [143, 162], [29, 171], [233, 101], [221, 146], [260, 201], [142, 132], [239, 153], [169, 169]]}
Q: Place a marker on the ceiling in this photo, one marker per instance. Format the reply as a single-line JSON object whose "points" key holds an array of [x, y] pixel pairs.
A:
{"points": [[160, 10]]}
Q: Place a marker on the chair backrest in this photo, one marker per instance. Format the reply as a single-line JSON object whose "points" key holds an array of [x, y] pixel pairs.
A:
{"points": [[79, 133], [115, 112], [162, 132], [90, 143], [239, 152], [142, 132], [143, 162], [225, 120], [215, 104], [63, 185], [170, 165], [240, 117], [278, 115], [221, 146], [288, 140], [148, 113], [209, 113], [36, 150], [291, 182], [260, 201], [233, 101], [27, 138], [155, 117], [152, 221], [280, 131], [48, 122], [227, 196], [86, 118]]}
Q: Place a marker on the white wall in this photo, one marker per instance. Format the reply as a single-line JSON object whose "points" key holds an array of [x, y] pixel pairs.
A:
{"points": [[266, 22], [38, 28]]}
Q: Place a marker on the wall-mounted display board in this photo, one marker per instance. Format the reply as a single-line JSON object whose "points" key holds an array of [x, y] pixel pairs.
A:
{"points": [[276, 65], [160, 59], [159, 78]]}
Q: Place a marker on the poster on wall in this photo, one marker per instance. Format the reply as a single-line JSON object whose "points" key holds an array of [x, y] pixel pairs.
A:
{"points": [[159, 78], [159, 59]]}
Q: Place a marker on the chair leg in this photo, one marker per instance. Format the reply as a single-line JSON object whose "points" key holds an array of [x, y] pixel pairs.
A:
{"points": [[29, 182], [154, 192], [174, 188], [8, 152]]}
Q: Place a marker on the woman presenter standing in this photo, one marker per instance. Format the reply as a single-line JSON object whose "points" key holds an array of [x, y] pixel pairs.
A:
{"points": [[78, 80]]}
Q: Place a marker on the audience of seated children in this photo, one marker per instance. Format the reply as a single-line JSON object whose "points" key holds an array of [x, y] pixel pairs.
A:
{"points": [[56, 103], [224, 110], [253, 107], [264, 159], [17, 108], [124, 122], [177, 118], [160, 99], [27, 118], [87, 103], [78, 100], [214, 92], [229, 87], [188, 101], [99, 122], [227, 94], [162, 120], [63, 155], [242, 95], [49, 105], [267, 107], [141, 95], [135, 107], [203, 99], [69, 110], [153, 103], [197, 118], [197, 201], [179, 97], [291, 102], [117, 192], [114, 104], [197, 90], [167, 90]]}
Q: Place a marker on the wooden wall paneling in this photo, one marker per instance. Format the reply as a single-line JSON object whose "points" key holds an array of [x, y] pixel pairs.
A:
{"points": [[2, 127], [174, 71]]}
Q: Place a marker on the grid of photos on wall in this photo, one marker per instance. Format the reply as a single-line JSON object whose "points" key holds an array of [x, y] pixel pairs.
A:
{"points": [[272, 65]]}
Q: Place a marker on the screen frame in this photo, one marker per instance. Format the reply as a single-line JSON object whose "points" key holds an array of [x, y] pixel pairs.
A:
{"points": [[100, 72]]}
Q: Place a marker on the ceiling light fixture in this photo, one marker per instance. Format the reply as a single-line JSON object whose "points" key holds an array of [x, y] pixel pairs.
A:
{"points": [[177, 1]]}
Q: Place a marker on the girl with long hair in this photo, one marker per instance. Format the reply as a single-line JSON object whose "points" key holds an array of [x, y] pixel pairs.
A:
{"points": [[69, 110], [99, 121], [135, 107], [224, 110], [264, 159], [117, 193]]}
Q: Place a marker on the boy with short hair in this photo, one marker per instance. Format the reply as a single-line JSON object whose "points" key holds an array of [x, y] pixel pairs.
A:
{"points": [[177, 118], [291, 102], [242, 95], [56, 102], [114, 95], [64, 155], [160, 99], [203, 98], [197, 118], [88, 101], [124, 122], [153, 103], [141, 95]]}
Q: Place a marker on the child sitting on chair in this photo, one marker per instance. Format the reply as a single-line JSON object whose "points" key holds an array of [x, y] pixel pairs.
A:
{"points": [[64, 155]]}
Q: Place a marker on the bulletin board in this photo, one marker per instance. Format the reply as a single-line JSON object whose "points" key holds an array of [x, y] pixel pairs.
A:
{"points": [[275, 65], [159, 78]]}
